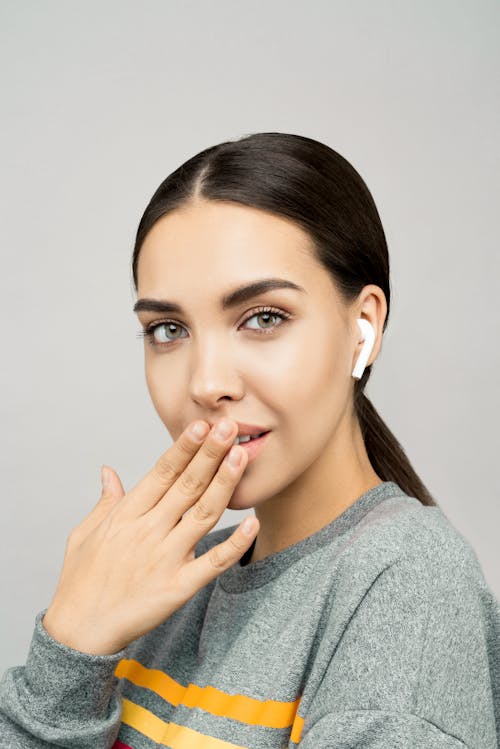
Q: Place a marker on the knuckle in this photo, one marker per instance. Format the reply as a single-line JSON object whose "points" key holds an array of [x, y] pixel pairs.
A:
{"points": [[216, 557], [202, 513], [190, 483], [236, 544], [186, 447], [212, 450], [164, 470]]}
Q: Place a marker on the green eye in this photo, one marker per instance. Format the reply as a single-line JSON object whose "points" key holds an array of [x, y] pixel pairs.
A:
{"points": [[268, 314], [150, 332]]}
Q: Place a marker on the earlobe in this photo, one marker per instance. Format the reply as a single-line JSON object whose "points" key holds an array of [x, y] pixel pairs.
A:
{"points": [[368, 333]]}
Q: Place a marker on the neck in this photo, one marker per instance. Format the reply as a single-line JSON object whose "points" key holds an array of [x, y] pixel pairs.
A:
{"points": [[339, 476]]}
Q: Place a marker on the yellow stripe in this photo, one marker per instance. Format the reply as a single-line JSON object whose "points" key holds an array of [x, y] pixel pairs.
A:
{"points": [[143, 721], [169, 734], [152, 679], [268, 713], [265, 713], [181, 737], [297, 727]]}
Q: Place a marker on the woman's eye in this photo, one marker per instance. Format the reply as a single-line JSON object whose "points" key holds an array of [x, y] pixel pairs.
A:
{"points": [[269, 314], [158, 334]]}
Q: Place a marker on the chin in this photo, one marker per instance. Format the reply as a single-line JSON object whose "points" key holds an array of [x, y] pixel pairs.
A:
{"points": [[243, 497], [239, 502]]}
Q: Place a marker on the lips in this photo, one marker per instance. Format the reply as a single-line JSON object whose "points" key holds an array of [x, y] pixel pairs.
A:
{"points": [[253, 437], [254, 447], [250, 429], [245, 429]]}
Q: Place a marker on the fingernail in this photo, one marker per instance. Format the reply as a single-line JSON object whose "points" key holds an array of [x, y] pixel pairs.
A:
{"points": [[234, 456], [199, 430], [248, 526], [223, 429]]}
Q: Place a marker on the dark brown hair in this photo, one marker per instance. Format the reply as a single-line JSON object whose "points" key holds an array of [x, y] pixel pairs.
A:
{"points": [[304, 180]]}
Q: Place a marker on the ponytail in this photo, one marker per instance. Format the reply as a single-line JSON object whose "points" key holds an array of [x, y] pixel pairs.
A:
{"points": [[385, 453]]}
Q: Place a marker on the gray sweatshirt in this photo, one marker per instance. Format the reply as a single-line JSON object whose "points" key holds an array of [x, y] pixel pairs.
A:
{"points": [[378, 631]]}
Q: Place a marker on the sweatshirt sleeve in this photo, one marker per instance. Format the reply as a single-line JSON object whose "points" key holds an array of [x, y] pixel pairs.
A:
{"points": [[415, 662], [60, 697]]}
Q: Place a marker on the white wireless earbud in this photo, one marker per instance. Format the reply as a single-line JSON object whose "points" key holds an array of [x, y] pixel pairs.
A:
{"points": [[368, 333]]}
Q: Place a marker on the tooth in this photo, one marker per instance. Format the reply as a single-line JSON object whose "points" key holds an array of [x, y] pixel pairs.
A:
{"points": [[241, 439]]}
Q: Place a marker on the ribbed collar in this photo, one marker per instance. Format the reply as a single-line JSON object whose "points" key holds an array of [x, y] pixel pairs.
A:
{"points": [[240, 578]]}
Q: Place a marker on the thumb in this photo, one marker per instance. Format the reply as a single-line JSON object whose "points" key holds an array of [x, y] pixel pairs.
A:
{"points": [[111, 484]]}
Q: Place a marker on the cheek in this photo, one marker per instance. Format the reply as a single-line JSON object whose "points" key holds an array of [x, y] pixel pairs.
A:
{"points": [[319, 370], [165, 390], [309, 403], [315, 391]]}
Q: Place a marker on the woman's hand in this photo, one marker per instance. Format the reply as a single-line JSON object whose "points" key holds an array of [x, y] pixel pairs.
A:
{"points": [[131, 563]]}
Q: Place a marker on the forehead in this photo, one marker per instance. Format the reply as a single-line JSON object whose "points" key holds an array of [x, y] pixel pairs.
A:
{"points": [[221, 244]]}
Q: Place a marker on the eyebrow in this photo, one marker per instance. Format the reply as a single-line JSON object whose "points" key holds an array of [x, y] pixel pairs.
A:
{"points": [[232, 299]]}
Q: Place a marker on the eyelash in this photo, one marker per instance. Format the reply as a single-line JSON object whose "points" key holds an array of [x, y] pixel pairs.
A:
{"points": [[148, 332]]}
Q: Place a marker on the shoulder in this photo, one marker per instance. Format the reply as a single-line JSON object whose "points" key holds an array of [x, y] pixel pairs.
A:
{"points": [[411, 626], [405, 552], [402, 528], [398, 531]]}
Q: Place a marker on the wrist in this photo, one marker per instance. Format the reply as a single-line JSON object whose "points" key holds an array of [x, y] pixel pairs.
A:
{"points": [[67, 631]]}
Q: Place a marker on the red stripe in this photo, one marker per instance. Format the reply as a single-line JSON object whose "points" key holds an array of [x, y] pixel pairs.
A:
{"points": [[120, 745]]}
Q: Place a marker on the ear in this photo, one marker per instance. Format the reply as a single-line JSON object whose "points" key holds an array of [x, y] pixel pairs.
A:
{"points": [[371, 305]]}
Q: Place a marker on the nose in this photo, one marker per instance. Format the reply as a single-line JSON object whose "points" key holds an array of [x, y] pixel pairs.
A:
{"points": [[214, 375]]}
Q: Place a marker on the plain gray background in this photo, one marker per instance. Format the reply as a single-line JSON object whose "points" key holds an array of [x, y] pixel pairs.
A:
{"points": [[102, 100]]}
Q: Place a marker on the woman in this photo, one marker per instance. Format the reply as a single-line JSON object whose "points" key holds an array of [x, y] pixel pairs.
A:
{"points": [[350, 613]]}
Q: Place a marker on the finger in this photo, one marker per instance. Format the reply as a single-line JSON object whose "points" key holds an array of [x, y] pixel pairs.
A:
{"points": [[112, 493], [194, 481], [112, 482], [203, 569], [164, 473], [206, 512]]}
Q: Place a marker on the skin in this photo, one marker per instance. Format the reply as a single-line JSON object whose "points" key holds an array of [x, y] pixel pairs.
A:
{"points": [[296, 381]]}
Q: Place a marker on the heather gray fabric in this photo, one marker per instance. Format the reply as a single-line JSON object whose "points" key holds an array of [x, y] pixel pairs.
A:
{"points": [[379, 631]]}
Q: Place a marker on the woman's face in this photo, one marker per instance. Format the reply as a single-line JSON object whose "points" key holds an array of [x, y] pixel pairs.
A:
{"points": [[288, 371]]}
